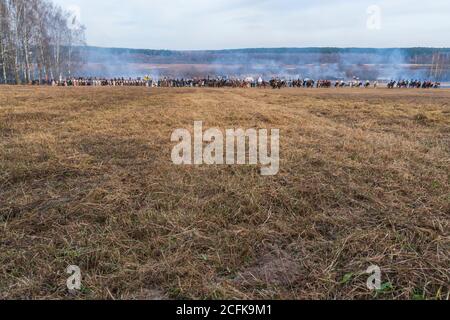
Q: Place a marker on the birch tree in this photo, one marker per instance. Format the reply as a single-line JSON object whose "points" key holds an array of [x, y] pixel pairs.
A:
{"points": [[38, 41]]}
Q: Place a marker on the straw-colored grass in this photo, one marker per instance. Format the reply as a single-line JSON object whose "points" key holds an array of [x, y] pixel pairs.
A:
{"points": [[86, 179]]}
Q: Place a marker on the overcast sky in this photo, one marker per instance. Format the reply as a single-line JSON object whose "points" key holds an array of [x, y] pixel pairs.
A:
{"points": [[220, 24]]}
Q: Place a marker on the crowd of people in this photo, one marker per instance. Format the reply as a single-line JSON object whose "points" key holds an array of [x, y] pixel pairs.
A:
{"points": [[249, 82], [413, 84], [94, 82]]}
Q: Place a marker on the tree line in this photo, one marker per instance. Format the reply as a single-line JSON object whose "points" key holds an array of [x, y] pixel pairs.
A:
{"points": [[38, 41]]}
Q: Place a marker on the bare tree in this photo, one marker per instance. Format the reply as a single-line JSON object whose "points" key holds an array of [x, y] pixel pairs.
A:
{"points": [[38, 41]]}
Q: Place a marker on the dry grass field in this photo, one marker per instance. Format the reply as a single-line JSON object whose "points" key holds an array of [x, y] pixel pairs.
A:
{"points": [[86, 179]]}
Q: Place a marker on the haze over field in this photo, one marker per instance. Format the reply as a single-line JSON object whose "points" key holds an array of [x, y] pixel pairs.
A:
{"points": [[316, 63]]}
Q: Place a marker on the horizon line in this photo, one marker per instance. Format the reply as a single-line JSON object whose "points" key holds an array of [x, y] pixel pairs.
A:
{"points": [[269, 48]]}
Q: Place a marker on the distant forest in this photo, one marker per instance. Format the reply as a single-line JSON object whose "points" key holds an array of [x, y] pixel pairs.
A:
{"points": [[332, 63], [288, 55]]}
